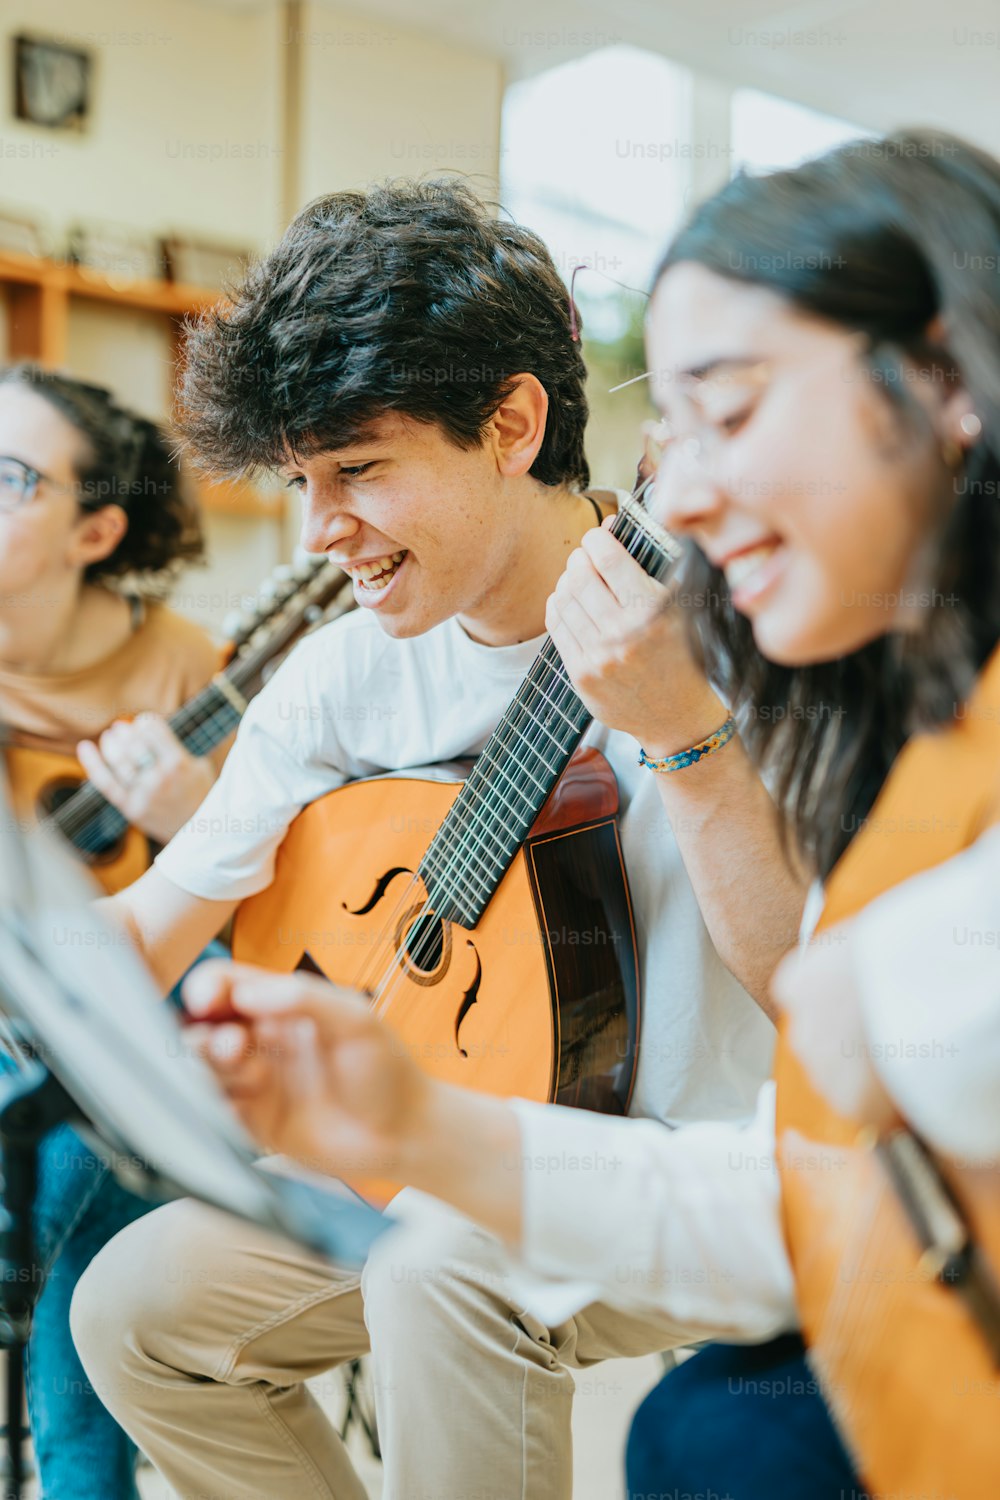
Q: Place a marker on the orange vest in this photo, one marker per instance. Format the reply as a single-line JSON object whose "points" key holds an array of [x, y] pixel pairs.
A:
{"points": [[904, 1368]]}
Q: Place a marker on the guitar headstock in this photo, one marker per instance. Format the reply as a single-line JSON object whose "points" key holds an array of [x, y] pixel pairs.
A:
{"points": [[643, 536], [292, 600], [305, 583]]}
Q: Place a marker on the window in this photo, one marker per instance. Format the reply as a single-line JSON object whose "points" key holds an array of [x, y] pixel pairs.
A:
{"points": [[594, 158], [768, 132]]}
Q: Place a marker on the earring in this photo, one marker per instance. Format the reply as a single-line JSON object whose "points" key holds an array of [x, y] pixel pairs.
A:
{"points": [[971, 424]]}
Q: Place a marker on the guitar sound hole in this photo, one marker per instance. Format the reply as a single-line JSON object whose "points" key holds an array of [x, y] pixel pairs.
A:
{"points": [[94, 843], [424, 943]]}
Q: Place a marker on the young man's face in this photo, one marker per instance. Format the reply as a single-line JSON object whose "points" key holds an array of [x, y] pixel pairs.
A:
{"points": [[419, 524]]}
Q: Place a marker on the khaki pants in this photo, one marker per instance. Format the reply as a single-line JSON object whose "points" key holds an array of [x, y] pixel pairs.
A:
{"points": [[198, 1333]]}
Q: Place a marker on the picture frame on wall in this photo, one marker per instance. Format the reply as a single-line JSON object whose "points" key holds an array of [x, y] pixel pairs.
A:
{"points": [[114, 253], [52, 83], [20, 235], [197, 262]]}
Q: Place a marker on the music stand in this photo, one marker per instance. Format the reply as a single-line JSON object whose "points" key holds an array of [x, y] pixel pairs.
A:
{"points": [[102, 1049]]}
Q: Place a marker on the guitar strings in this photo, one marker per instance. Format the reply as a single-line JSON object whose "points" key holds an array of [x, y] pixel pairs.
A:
{"points": [[84, 818], [432, 868], [209, 730], [867, 1309], [850, 1320], [522, 721], [522, 716], [645, 549], [435, 867], [200, 732], [639, 546]]}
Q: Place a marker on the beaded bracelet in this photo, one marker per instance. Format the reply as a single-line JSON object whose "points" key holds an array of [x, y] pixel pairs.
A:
{"points": [[683, 758]]}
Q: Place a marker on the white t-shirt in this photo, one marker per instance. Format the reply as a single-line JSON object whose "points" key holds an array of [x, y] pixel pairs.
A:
{"points": [[351, 701]]}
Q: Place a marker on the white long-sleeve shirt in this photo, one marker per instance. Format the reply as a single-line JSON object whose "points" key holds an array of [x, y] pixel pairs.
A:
{"points": [[687, 1221], [928, 966]]}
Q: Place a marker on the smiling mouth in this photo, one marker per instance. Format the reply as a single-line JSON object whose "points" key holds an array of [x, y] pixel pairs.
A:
{"points": [[373, 577], [740, 571]]}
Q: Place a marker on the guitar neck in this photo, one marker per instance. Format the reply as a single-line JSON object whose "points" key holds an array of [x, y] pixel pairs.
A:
{"points": [[88, 817], [89, 821], [522, 760]]}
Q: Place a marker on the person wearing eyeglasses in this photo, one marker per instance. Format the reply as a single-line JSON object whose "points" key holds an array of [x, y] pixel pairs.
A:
{"points": [[831, 430], [409, 361], [94, 523]]}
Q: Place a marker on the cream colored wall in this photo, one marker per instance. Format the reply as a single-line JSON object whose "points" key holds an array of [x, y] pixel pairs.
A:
{"points": [[381, 101], [185, 136], [185, 126], [127, 351], [190, 132]]}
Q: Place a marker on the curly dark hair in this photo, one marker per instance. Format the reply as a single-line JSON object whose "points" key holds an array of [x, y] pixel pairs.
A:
{"points": [[881, 237], [410, 297], [127, 461]]}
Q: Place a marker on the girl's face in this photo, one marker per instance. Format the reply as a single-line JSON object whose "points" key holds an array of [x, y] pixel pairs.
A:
{"points": [[46, 542], [787, 466]]}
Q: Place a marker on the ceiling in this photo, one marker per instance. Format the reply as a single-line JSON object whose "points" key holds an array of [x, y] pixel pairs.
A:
{"points": [[882, 63]]}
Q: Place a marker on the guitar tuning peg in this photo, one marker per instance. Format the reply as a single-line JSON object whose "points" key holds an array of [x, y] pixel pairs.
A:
{"points": [[236, 623]]}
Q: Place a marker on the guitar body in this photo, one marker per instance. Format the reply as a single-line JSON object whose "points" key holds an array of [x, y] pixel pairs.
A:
{"points": [[539, 999], [42, 781], [905, 1367], [50, 787], [488, 920]]}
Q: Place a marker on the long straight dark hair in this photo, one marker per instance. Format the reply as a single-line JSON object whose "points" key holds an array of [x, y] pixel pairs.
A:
{"points": [[881, 237]]}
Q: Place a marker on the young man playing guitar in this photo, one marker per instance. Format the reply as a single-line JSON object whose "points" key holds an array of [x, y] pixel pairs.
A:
{"points": [[831, 449], [409, 363]]}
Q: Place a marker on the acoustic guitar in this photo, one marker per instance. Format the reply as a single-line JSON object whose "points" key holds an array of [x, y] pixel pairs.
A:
{"points": [[50, 788], [502, 952], [896, 1252]]}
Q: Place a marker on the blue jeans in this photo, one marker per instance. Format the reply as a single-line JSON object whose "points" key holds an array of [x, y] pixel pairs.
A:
{"points": [[80, 1451], [739, 1423]]}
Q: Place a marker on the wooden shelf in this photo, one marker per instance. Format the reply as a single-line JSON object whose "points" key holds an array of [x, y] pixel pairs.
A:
{"points": [[234, 497], [39, 292], [172, 298]]}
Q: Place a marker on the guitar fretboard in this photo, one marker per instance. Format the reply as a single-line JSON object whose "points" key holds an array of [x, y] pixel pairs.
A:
{"points": [[91, 822], [522, 761]]}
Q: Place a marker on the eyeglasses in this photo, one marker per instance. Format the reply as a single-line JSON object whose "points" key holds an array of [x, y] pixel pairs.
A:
{"points": [[19, 483], [712, 400]]}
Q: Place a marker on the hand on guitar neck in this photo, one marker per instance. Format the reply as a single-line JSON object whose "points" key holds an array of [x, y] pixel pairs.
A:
{"points": [[142, 768], [626, 650], [619, 639]]}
